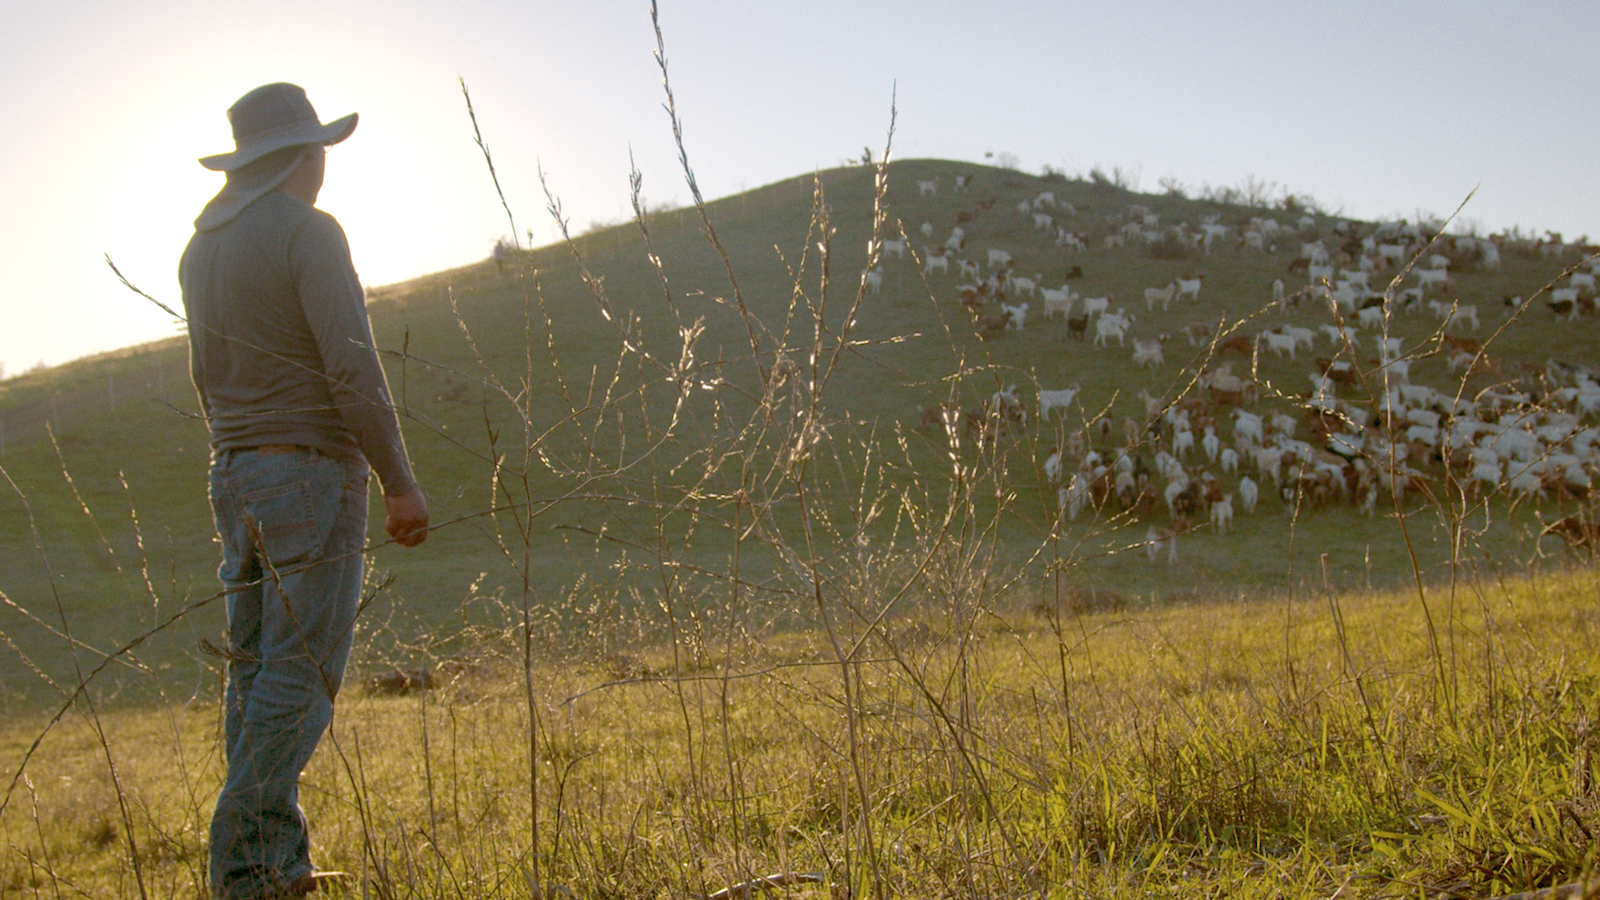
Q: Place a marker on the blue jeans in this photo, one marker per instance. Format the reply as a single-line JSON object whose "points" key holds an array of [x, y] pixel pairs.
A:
{"points": [[292, 524]]}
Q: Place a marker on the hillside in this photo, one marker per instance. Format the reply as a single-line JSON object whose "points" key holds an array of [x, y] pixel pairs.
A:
{"points": [[587, 459]]}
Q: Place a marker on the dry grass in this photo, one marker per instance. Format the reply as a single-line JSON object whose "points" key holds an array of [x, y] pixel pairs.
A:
{"points": [[1226, 747], [742, 622]]}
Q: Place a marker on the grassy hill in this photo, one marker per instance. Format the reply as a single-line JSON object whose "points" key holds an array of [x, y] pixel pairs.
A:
{"points": [[609, 445]]}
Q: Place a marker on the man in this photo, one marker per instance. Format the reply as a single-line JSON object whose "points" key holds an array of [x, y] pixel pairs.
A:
{"points": [[282, 357]]}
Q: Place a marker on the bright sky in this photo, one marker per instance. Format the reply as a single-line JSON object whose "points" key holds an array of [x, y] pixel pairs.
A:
{"points": [[1373, 108]]}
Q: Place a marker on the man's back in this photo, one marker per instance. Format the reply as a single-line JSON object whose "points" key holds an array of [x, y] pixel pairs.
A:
{"points": [[281, 350]]}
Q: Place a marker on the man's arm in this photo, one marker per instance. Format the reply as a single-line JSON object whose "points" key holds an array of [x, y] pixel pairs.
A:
{"points": [[334, 306], [333, 302]]}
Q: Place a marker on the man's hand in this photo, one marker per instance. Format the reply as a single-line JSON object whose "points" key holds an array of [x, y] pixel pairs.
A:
{"points": [[406, 517]]}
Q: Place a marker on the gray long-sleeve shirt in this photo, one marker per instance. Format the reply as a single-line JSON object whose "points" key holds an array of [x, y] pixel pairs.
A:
{"points": [[280, 348]]}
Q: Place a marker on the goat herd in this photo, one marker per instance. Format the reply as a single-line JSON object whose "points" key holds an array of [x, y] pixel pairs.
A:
{"points": [[1528, 433]]}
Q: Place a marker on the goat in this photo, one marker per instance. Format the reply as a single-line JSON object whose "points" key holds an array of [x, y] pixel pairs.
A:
{"points": [[1057, 301], [1182, 443], [1005, 403], [1339, 336], [1396, 252], [1158, 538], [998, 259], [1222, 513], [936, 261], [1164, 295], [1053, 400], [1279, 344], [1564, 302], [928, 188], [1450, 314], [1190, 287], [993, 326], [874, 279], [1071, 496], [1148, 353], [1247, 427], [1426, 277], [1249, 493], [898, 248], [1078, 326], [1109, 326], [1018, 314], [1092, 305]]}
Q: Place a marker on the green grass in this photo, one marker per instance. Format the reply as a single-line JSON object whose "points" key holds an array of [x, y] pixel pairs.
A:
{"points": [[707, 603], [593, 408], [1216, 748]]}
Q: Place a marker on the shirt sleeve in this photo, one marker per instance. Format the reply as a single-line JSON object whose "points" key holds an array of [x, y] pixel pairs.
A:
{"points": [[335, 309]]}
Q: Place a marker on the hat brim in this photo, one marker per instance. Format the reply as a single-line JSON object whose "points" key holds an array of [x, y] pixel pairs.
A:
{"points": [[297, 133]]}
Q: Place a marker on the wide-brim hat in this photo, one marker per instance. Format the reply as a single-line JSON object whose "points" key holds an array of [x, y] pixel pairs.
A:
{"points": [[270, 118]]}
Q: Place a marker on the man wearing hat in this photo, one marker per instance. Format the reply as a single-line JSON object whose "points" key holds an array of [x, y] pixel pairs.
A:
{"points": [[282, 357]]}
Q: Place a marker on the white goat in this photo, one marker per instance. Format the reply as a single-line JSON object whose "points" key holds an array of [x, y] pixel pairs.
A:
{"points": [[1427, 277], [1230, 460], [1072, 495], [1249, 493], [1279, 344], [1159, 538], [1058, 301], [1053, 400], [1222, 513], [1182, 443], [1163, 295], [1148, 353], [1108, 326], [1018, 314]]}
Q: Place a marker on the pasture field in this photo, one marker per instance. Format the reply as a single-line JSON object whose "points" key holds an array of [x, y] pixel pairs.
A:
{"points": [[711, 598], [1378, 744], [573, 440]]}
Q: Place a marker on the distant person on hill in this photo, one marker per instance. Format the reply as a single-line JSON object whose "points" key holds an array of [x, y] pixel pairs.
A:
{"points": [[282, 357], [500, 257]]}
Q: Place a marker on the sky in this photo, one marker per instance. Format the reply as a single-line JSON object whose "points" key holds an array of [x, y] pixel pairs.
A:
{"points": [[1374, 109]]}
